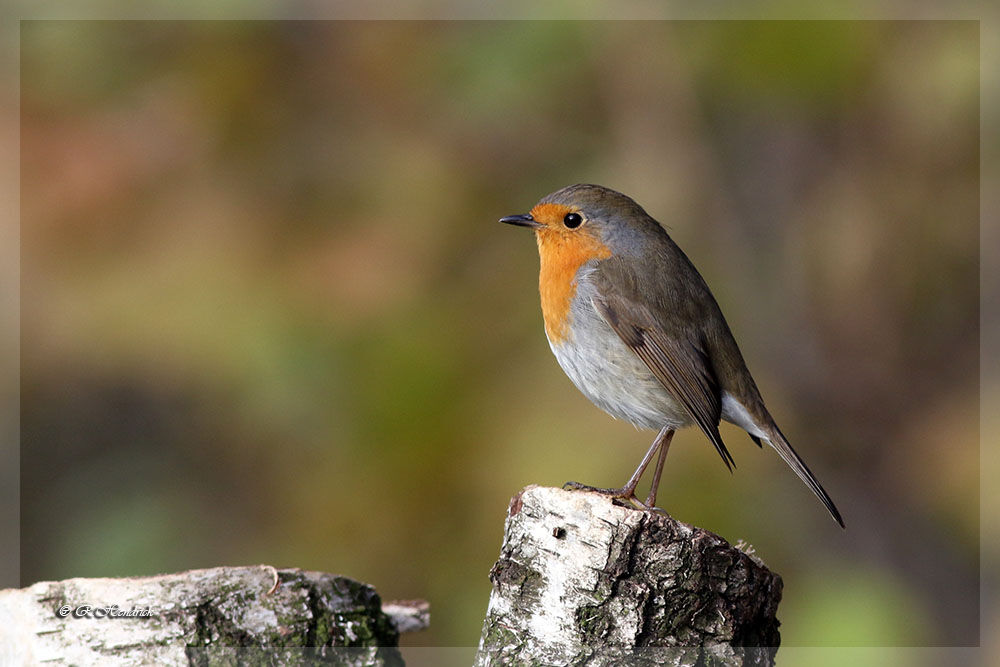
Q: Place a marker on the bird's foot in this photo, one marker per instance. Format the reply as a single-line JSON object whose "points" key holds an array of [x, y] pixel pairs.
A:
{"points": [[577, 486], [621, 496]]}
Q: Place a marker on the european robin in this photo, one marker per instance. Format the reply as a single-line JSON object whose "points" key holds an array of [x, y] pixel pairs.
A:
{"points": [[635, 327]]}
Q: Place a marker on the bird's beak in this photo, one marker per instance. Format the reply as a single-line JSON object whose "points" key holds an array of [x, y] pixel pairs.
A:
{"points": [[523, 220]]}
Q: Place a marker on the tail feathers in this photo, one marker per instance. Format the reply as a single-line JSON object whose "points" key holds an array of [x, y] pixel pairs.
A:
{"points": [[777, 440]]}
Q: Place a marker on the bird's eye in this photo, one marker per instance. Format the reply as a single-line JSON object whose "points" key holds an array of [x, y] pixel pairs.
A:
{"points": [[573, 220]]}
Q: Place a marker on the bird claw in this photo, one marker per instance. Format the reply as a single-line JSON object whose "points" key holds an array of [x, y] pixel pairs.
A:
{"points": [[577, 486], [619, 496]]}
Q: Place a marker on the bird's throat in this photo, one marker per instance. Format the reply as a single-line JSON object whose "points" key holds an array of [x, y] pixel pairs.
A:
{"points": [[562, 254]]}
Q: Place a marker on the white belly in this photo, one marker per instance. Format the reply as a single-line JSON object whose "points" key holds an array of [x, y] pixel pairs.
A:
{"points": [[610, 374]]}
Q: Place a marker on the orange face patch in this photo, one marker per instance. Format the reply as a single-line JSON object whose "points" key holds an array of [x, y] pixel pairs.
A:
{"points": [[550, 214], [562, 252]]}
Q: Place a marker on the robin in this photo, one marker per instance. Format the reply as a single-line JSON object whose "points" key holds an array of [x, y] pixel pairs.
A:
{"points": [[635, 327]]}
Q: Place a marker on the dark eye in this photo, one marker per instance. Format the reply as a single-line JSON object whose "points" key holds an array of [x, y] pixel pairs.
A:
{"points": [[573, 220]]}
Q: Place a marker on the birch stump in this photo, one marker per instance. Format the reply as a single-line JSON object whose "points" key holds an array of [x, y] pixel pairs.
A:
{"points": [[584, 581], [222, 616]]}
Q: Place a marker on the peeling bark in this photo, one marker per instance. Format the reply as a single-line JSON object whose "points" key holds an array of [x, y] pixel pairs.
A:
{"points": [[225, 615], [584, 581]]}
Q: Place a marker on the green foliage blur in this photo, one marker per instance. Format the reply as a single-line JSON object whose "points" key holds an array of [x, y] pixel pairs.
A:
{"points": [[269, 317]]}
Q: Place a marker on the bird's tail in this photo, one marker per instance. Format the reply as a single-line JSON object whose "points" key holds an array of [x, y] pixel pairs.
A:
{"points": [[777, 440]]}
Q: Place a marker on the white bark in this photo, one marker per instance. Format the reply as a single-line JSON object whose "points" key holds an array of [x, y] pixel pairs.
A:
{"points": [[582, 580], [223, 614]]}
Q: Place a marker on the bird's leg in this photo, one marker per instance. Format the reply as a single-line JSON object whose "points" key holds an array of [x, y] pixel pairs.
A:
{"points": [[664, 446], [627, 492]]}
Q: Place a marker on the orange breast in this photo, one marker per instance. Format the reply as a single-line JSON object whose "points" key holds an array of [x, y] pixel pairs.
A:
{"points": [[562, 252]]}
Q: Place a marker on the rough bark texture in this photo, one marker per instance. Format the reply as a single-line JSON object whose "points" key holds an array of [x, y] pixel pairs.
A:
{"points": [[226, 615], [584, 581]]}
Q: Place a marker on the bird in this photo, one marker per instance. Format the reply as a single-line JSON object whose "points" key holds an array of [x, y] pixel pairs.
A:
{"points": [[637, 330]]}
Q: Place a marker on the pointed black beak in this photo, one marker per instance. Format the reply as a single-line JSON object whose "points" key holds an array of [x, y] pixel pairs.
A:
{"points": [[523, 220]]}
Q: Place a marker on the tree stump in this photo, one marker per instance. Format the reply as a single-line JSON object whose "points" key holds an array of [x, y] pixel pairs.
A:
{"points": [[582, 580], [226, 615]]}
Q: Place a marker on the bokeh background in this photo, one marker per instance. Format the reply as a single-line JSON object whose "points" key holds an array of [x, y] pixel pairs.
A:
{"points": [[268, 315]]}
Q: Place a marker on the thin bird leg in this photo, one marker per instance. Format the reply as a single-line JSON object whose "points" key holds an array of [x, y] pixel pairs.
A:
{"points": [[667, 437], [627, 492]]}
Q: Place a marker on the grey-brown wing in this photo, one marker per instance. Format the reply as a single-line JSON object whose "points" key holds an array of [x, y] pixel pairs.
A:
{"points": [[679, 363]]}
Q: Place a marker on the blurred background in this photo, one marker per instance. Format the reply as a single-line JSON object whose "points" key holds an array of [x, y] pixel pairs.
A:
{"points": [[268, 315]]}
